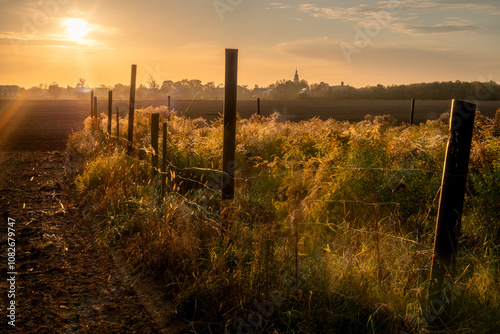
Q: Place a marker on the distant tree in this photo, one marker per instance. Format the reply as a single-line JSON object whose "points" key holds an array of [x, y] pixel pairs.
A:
{"points": [[35, 92], [152, 84], [287, 89], [121, 91], [195, 85], [82, 83], [54, 90], [167, 87]]}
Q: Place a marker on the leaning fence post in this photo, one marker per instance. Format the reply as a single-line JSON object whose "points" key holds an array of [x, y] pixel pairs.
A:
{"points": [[451, 206], [91, 103], [131, 110], [164, 162], [155, 123], [95, 124], [118, 125], [110, 111], [229, 141], [412, 112]]}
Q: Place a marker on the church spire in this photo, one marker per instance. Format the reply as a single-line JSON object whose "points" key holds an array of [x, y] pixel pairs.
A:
{"points": [[296, 77]]}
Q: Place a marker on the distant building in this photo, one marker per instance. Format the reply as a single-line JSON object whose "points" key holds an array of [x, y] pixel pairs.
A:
{"points": [[9, 91], [342, 85], [296, 77]]}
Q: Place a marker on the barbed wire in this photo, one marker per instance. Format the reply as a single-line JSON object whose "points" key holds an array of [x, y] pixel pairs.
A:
{"points": [[356, 168], [170, 165], [344, 227], [357, 202]]}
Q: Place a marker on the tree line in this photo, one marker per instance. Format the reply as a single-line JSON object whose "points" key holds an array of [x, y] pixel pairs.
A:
{"points": [[280, 90]]}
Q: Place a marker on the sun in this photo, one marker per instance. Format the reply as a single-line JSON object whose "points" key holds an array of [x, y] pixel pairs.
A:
{"points": [[77, 29]]}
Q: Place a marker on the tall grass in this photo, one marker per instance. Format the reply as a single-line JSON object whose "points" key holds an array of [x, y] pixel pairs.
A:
{"points": [[331, 228]]}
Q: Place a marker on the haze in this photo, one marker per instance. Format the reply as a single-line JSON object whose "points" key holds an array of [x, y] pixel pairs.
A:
{"points": [[360, 43]]}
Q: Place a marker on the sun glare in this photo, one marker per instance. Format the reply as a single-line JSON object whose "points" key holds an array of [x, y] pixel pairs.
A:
{"points": [[77, 29]]}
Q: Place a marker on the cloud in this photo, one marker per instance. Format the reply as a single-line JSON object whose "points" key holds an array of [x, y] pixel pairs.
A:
{"points": [[277, 5], [370, 55], [54, 36], [451, 5], [435, 29], [396, 10], [358, 13]]}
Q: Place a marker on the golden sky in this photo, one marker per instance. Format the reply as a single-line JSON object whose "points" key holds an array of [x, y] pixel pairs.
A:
{"points": [[359, 42]]}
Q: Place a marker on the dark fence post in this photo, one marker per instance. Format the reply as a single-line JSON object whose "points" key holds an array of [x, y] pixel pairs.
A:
{"points": [[131, 110], [450, 208], [155, 123], [91, 103], [164, 162], [229, 142], [412, 111], [168, 103], [110, 110], [118, 125], [258, 106], [95, 106]]}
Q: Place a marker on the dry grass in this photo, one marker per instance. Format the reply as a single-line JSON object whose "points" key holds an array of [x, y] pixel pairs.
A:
{"points": [[331, 229]]}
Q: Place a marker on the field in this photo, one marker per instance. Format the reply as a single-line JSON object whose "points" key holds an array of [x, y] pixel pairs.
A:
{"points": [[51, 122], [331, 228]]}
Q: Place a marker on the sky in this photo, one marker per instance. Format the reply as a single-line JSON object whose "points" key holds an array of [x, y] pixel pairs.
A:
{"points": [[362, 43]]}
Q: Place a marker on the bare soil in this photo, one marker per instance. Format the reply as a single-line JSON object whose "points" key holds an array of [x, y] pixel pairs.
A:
{"points": [[65, 282]]}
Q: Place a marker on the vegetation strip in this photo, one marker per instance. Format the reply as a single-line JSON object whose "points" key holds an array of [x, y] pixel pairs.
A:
{"points": [[297, 225]]}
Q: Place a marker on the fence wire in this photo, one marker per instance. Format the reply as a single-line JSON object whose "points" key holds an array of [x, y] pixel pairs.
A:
{"points": [[214, 184]]}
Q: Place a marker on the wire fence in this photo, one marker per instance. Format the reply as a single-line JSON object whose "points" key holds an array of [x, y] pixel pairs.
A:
{"points": [[211, 180]]}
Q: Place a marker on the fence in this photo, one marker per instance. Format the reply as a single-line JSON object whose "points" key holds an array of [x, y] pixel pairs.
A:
{"points": [[451, 192]]}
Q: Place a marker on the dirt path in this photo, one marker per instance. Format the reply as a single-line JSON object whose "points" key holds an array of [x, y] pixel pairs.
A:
{"points": [[65, 283]]}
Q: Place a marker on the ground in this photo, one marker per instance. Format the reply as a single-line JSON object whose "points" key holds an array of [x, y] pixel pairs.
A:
{"points": [[65, 282]]}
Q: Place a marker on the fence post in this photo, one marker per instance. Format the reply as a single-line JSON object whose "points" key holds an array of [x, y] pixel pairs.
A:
{"points": [[168, 103], [95, 106], [164, 162], [110, 110], [155, 123], [118, 125], [92, 103], [229, 141], [450, 207], [131, 110], [412, 111], [258, 106]]}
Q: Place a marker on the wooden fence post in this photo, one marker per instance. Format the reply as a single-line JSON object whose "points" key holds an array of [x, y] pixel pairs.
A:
{"points": [[168, 103], [131, 111], [258, 106], [229, 141], [155, 123], [91, 103], [412, 112], [110, 110], [95, 106], [164, 162], [451, 205], [118, 125]]}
